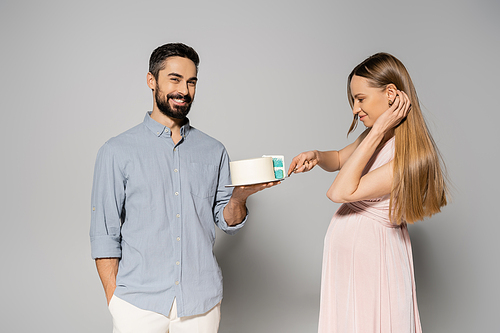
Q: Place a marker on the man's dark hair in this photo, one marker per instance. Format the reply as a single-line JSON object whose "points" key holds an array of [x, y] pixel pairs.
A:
{"points": [[158, 57]]}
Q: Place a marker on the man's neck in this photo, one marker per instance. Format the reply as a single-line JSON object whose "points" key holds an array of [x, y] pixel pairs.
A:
{"points": [[172, 123]]}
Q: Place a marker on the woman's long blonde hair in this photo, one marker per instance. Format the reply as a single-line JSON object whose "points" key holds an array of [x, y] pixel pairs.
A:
{"points": [[419, 188]]}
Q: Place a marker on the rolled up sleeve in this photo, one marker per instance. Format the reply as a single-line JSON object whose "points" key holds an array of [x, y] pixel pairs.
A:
{"points": [[108, 195], [222, 198]]}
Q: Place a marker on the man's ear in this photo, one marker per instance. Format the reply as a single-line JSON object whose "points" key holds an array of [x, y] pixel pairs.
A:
{"points": [[151, 81]]}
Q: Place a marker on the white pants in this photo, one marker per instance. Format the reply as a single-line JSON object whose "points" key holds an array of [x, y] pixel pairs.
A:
{"points": [[128, 318]]}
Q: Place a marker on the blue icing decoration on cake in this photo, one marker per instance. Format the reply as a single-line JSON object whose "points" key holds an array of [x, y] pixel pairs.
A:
{"points": [[278, 174], [278, 163]]}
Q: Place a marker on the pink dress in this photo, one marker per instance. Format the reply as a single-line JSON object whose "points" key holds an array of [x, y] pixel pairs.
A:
{"points": [[367, 283]]}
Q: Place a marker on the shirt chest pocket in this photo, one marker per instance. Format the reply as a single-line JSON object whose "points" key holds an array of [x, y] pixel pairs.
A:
{"points": [[203, 179]]}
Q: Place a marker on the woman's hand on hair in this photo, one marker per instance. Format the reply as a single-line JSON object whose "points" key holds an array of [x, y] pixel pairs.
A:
{"points": [[395, 114]]}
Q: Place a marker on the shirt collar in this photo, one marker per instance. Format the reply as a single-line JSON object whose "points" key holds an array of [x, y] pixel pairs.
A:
{"points": [[159, 129]]}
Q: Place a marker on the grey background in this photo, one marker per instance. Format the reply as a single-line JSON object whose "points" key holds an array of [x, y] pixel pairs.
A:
{"points": [[272, 81]]}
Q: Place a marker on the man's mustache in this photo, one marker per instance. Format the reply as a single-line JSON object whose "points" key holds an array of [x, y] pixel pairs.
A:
{"points": [[185, 98]]}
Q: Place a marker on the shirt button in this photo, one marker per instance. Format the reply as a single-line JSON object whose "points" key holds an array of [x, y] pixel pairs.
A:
{"points": [[175, 170], [177, 283], [175, 149], [176, 193], [178, 239], [177, 263], [178, 215], [93, 209]]}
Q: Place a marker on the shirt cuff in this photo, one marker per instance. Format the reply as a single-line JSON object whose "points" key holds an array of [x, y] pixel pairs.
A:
{"points": [[105, 247], [231, 230]]}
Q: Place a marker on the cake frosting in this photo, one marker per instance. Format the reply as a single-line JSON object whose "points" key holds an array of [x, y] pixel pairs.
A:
{"points": [[252, 171]]}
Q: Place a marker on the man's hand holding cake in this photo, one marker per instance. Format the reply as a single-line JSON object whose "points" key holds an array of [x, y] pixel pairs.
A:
{"points": [[249, 177]]}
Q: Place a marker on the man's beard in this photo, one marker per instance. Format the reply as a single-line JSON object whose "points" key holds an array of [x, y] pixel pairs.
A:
{"points": [[177, 112]]}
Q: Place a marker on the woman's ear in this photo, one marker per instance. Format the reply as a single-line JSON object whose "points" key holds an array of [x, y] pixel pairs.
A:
{"points": [[391, 92]]}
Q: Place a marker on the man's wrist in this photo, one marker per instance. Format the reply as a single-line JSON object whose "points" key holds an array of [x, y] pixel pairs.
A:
{"points": [[238, 200]]}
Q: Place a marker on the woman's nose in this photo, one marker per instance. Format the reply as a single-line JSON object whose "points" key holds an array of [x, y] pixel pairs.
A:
{"points": [[356, 109]]}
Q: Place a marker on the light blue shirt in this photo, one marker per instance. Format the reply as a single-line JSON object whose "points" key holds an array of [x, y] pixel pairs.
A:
{"points": [[154, 205]]}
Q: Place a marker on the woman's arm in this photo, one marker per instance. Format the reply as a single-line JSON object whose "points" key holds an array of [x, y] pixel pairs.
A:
{"points": [[349, 186], [330, 161]]}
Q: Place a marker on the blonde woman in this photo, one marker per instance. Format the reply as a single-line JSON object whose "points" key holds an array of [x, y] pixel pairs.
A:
{"points": [[390, 176]]}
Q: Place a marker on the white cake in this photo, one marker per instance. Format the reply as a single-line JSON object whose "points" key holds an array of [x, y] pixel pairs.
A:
{"points": [[252, 171]]}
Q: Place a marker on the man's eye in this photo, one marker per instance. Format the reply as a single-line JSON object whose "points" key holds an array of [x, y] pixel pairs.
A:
{"points": [[174, 79], [192, 83]]}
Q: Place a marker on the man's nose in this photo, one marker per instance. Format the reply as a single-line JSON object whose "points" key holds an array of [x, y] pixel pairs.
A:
{"points": [[183, 88]]}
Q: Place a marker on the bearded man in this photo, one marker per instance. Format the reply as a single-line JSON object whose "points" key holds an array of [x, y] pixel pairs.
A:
{"points": [[158, 190]]}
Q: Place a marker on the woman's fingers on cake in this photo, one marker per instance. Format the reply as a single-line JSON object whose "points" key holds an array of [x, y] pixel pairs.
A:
{"points": [[297, 164], [292, 168], [302, 163]]}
